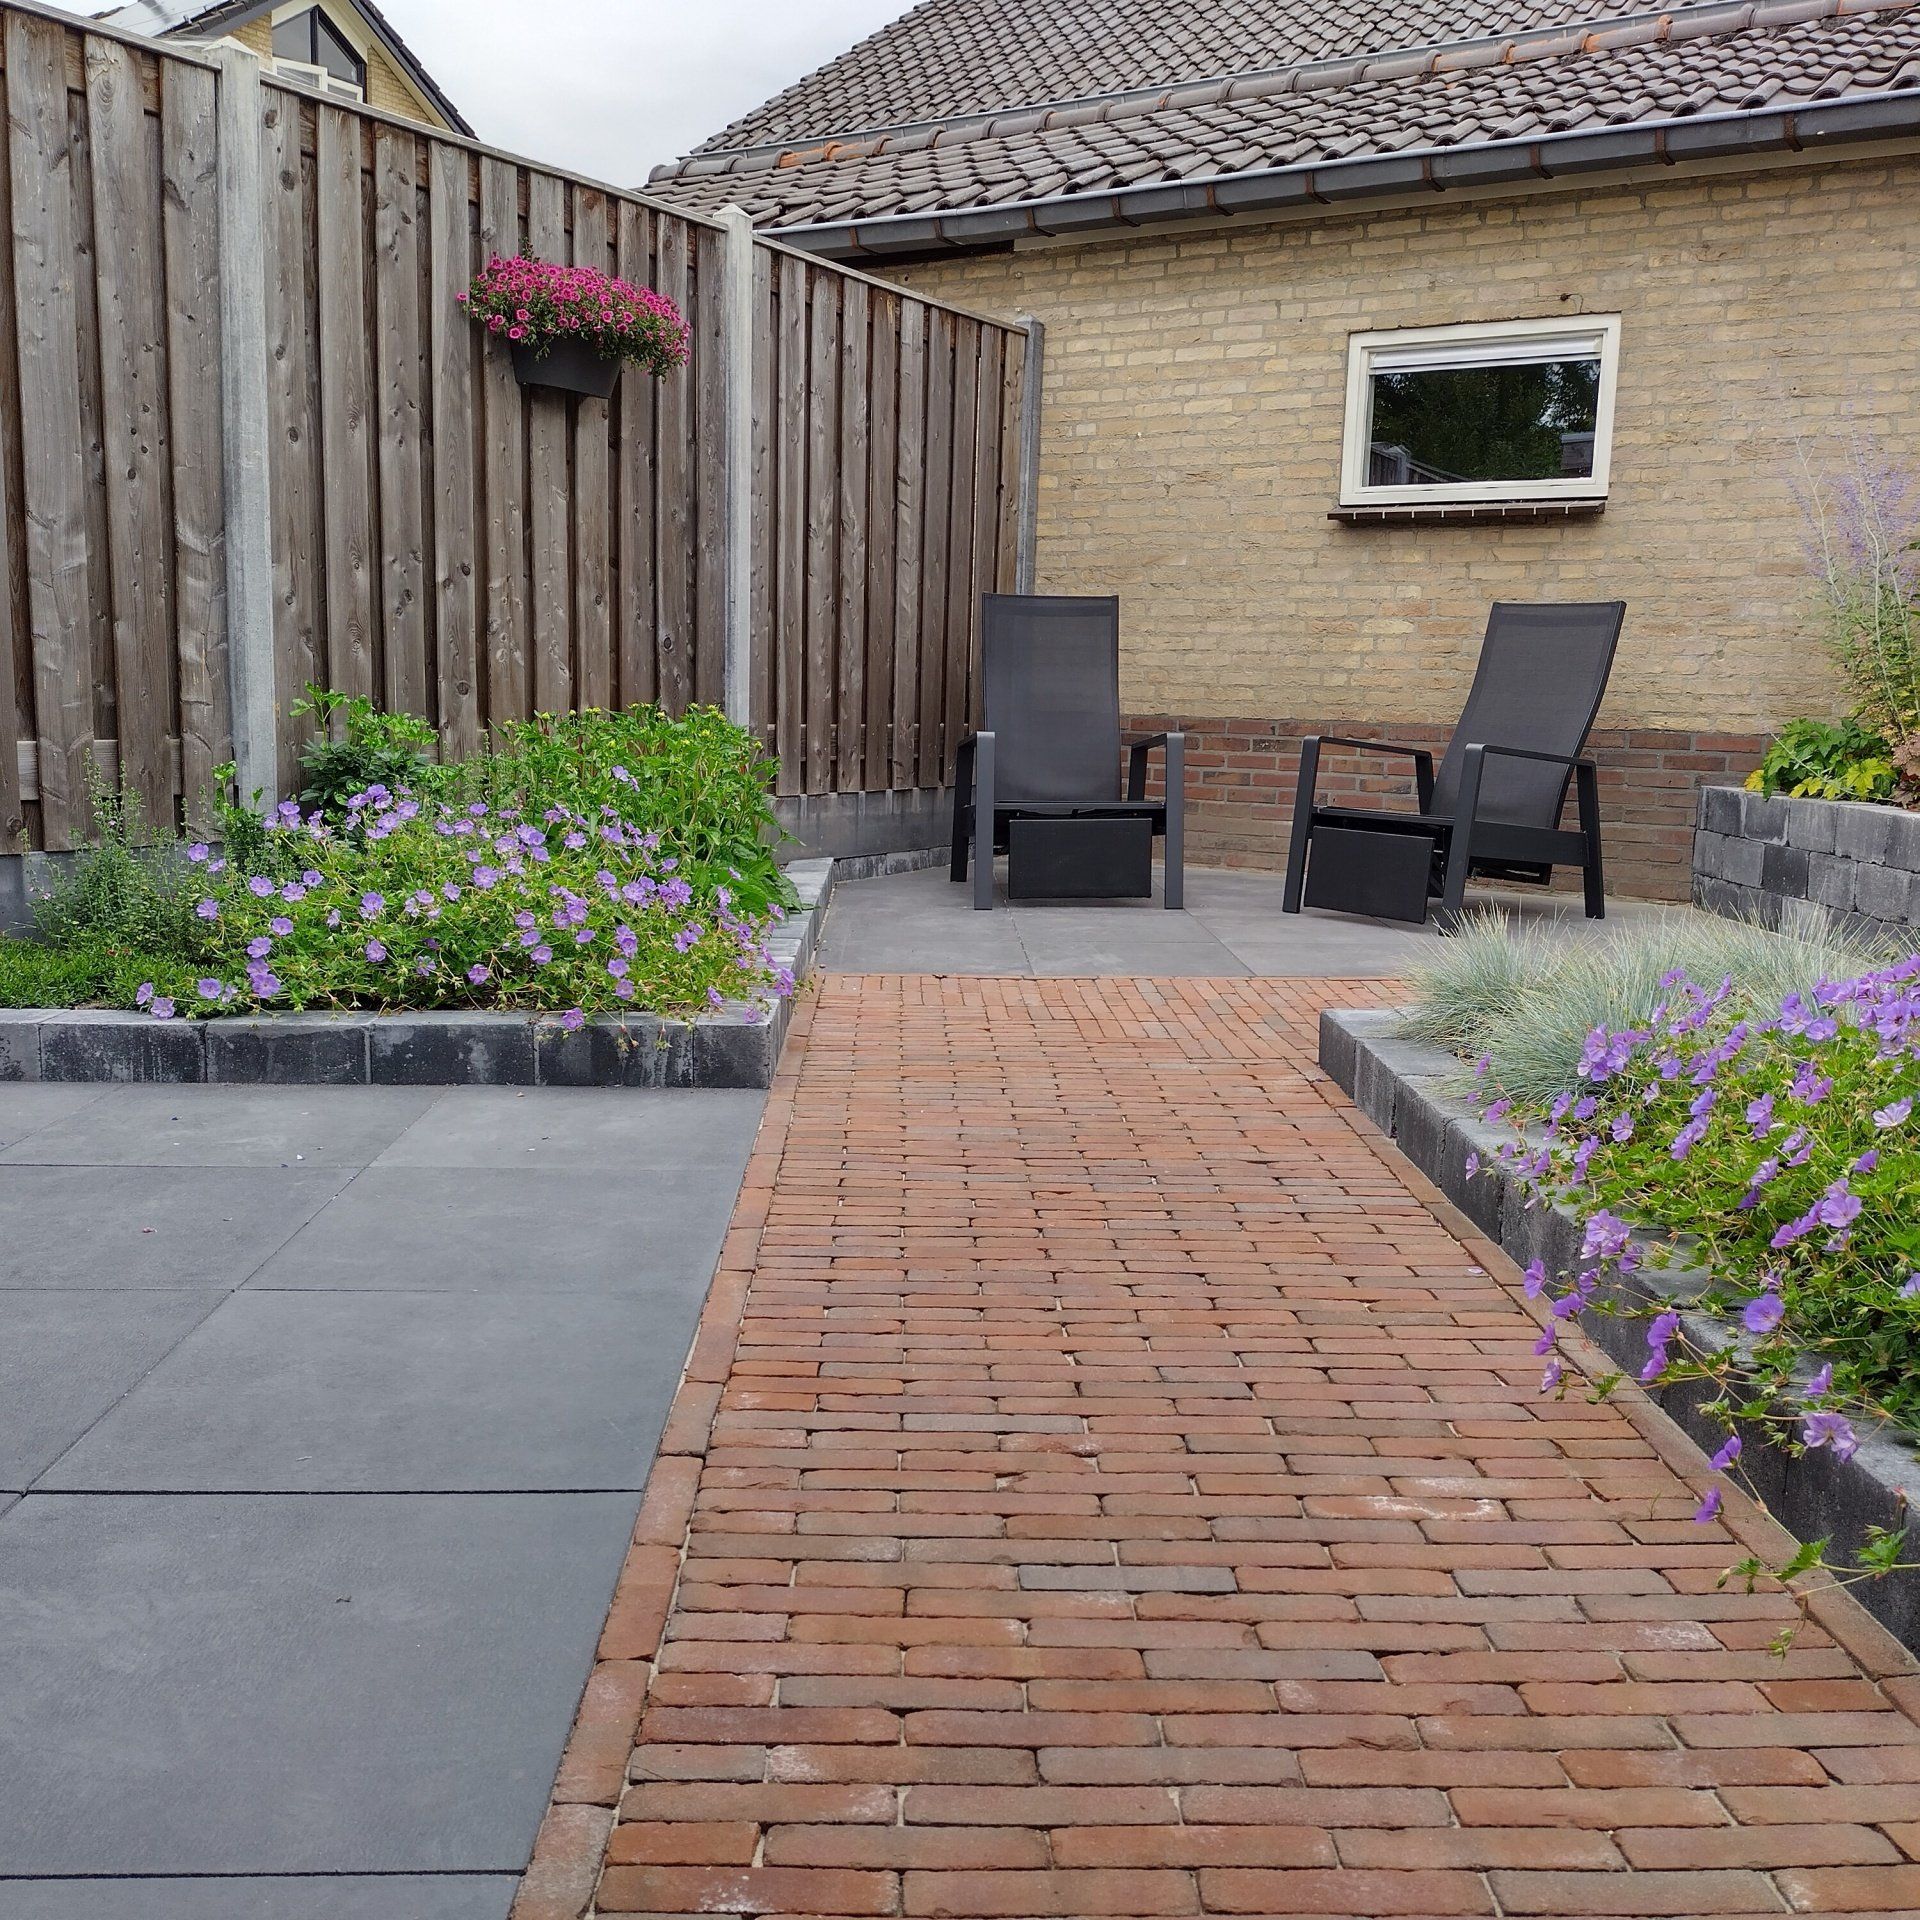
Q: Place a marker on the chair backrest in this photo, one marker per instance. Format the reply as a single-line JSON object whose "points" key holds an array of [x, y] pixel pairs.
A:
{"points": [[1542, 672], [1050, 673]]}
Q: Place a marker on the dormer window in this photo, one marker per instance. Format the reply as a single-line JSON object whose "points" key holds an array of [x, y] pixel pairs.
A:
{"points": [[310, 39]]}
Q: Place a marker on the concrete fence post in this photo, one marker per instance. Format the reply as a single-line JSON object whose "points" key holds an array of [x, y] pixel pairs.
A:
{"points": [[1027, 528], [244, 428], [737, 294]]}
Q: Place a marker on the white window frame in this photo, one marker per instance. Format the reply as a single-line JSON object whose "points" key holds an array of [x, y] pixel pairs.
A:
{"points": [[1560, 336]]}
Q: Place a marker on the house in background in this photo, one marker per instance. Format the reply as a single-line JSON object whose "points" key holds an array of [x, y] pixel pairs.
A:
{"points": [[1361, 316], [346, 48]]}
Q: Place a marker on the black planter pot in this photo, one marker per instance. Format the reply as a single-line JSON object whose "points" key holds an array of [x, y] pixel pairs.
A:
{"points": [[566, 367]]}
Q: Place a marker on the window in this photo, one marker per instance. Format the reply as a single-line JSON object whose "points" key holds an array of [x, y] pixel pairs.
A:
{"points": [[1518, 410], [311, 39]]}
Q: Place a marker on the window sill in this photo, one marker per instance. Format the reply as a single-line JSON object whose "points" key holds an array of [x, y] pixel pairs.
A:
{"points": [[1468, 513]]}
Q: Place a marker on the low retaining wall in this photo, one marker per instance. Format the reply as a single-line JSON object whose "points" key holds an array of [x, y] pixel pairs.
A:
{"points": [[1403, 1087], [1759, 858], [721, 1049]]}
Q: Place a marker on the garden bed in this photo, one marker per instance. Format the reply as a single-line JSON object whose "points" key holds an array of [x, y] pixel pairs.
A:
{"points": [[734, 1046], [1758, 857], [1405, 1088]]}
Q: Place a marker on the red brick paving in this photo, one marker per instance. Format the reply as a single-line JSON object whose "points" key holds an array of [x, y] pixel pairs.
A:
{"points": [[1108, 1482]]}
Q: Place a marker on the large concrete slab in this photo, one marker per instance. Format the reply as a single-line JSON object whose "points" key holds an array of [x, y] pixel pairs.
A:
{"points": [[27, 1106], [75, 1226], [475, 1229], [400, 1392], [292, 1684], [163, 1126], [65, 1360], [580, 1130], [451, 1896]]}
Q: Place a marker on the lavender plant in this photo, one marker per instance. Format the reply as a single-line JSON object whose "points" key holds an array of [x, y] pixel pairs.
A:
{"points": [[1863, 524], [1786, 1148]]}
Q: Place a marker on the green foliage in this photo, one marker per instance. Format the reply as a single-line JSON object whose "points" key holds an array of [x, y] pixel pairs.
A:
{"points": [[126, 892], [1526, 998], [587, 862], [701, 784], [357, 747], [1827, 760]]}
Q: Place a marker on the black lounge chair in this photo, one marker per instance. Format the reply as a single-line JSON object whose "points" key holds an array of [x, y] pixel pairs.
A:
{"points": [[1494, 807], [1041, 780]]}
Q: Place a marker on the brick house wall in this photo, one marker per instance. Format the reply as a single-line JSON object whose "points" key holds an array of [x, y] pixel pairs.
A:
{"points": [[388, 90], [1194, 404]]}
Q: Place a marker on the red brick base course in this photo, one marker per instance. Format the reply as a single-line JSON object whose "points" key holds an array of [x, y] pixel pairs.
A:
{"points": [[1241, 776], [1109, 1482]]}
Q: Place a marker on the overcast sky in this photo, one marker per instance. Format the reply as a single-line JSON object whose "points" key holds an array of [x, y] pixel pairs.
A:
{"points": [[611, 87]]}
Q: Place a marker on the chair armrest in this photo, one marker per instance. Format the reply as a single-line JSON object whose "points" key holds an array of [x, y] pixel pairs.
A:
{"points": [[1310, 761], [1137, 760], [1529, 753]]}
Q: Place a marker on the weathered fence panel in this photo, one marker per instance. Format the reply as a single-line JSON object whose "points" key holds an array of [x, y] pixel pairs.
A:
{"points": [[436, 536]]}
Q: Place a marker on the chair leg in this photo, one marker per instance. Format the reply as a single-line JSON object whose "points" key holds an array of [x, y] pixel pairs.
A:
{"points": [[1459, 844], [962, 811], [1302, 826], [1174, 887], [1593, 871], [983, 823]]}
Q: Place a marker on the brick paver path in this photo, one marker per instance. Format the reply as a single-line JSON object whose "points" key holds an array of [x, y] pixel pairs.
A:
{"points": [[1128, 1496]]}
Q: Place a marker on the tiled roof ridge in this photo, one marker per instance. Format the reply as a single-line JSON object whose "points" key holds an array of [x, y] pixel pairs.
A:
{"points": [[1707, 19]]}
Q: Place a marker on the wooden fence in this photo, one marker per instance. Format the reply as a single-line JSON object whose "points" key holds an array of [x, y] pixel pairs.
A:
{"points": [[249, 441]]}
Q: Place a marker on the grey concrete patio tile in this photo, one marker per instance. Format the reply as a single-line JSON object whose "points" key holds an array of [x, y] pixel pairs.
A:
{"points": [[466, 1229], [1270, 943], [1098, 939], [149, 1226], [451, 1896], [179, 1126], [294, 1684], [400, 1393], [577, 1130], [68, 1357], [27, 1106]]}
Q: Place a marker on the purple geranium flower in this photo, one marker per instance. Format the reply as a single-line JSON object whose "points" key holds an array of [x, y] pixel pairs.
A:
{"points": [[1893, 1114], [1709, 1507], [376, 950], [1727, 1455], [1820, 1428], [1763, 1313]]}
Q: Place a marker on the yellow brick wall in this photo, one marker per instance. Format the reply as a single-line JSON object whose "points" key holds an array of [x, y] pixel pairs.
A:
{"points": [[1193, 416], [387, 91]]}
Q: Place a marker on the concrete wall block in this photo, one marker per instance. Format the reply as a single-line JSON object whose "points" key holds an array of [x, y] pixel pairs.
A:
{"points": [[19, 1043], [1888, 893], [1764, 818], [1812, 824], [1783, 871], [1720, 810], [1863, 832], [1830, 881]]}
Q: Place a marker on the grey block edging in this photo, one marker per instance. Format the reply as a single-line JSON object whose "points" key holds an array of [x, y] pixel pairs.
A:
{"points": [[1405, 1087], [1764, 858], [457, 1048]]}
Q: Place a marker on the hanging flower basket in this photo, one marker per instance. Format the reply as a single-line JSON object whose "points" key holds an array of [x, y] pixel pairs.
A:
{"points": [[572, 329]]}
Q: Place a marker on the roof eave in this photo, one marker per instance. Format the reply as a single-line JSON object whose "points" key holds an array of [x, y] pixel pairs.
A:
{"points": [[1764, 130]]}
